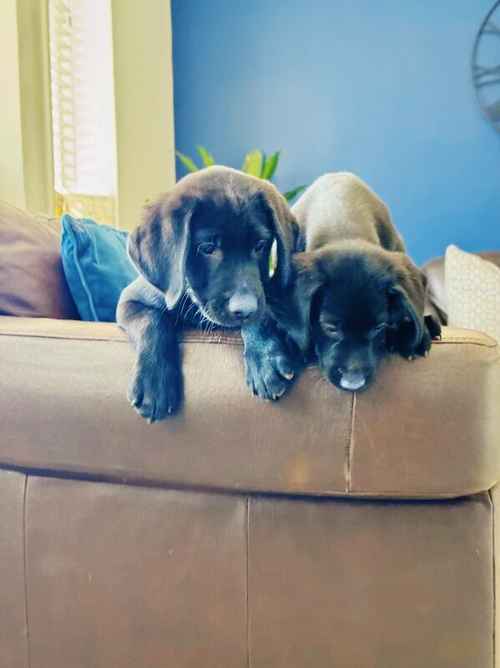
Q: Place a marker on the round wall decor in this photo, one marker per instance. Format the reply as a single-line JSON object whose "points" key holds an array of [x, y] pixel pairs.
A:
{"points": [[486, 66]]}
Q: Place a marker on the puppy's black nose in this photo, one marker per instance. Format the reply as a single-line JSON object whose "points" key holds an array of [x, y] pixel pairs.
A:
{"points": [[353, 378], [243, 305]]}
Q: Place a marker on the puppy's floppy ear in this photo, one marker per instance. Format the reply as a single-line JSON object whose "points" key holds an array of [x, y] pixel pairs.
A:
{"points": [[285, 229], [406, 297], [404, 316], [159, 246], [308, 279]]}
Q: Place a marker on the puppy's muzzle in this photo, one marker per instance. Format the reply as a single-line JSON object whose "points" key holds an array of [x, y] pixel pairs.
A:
{"points": [[243, 306]]}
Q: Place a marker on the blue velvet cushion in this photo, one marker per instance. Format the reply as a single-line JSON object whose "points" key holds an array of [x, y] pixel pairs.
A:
{"points": [[96, 266]]}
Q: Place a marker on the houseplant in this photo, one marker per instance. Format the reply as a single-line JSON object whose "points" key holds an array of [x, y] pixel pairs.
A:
{"points": [[255, 163]]}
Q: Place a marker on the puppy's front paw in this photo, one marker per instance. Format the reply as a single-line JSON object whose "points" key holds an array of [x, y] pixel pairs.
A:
{"points": [[424, 346], [268, 375], [269, 370], [401, 340], [411, 352], [271, 361], [155, 389], [433, 326], [432, 330]]}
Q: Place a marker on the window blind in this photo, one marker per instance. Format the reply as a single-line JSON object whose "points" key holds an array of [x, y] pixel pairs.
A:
{"points": [[82, 99]]}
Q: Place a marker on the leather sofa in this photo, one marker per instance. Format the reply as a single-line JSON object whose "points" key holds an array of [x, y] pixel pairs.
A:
{"points": [[329, 529]]}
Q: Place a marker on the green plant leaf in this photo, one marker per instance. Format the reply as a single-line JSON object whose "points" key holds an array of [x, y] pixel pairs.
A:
{"points": [[189, 164], [206, 157], [292, 194], [264, 158], [270, 166], [253, 163]]}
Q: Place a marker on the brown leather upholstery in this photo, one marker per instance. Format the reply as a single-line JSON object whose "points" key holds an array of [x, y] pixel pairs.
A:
{"points": [[13, 633], [434, 270], [426, 429], [112, 555], [127, 576], [495, 501], [371, 584], [135, 577]]}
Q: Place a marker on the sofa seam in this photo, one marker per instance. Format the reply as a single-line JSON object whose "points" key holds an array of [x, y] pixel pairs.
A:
{"points": [[349, 448], [116, 339], [494, 568], [25, 570], [56, 337], [452, 341], [206, 339], [247, 606], [73, 473]]}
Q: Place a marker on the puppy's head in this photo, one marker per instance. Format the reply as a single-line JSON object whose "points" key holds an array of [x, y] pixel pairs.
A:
{"points": [[212, 236], [356, 295]]}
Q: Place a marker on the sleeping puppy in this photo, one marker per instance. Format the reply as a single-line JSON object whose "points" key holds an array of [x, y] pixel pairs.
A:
{"points": [[203, 253], [357, 295]]}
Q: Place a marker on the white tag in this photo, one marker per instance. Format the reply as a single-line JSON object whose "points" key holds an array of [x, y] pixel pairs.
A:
{"points": [[273, 259]]}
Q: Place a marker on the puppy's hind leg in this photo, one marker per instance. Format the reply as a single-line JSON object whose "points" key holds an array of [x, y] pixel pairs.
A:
{"points": [[271, 362]]}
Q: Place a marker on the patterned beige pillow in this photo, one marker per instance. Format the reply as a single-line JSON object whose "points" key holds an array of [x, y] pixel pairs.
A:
{"points": [[473, 292]]}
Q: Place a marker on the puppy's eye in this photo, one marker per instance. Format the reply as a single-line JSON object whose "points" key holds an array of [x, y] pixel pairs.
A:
{"points": [[207, 248], [330, 328], [260, 246], [379, 329]]}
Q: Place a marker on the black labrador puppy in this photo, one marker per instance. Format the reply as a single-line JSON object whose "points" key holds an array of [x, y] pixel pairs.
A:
{"points": [[357, 295], [204, 253]]}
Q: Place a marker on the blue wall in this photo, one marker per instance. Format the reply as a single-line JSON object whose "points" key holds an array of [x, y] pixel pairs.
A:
{"points": [[378, 88]]}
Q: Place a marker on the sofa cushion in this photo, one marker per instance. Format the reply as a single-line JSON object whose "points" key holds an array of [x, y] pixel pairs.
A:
{"points": [[32, 280], [96, 266], [426, 429]]}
